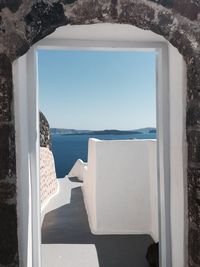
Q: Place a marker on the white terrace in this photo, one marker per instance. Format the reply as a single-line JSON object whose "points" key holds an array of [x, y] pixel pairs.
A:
{"points": [[119, 192]]}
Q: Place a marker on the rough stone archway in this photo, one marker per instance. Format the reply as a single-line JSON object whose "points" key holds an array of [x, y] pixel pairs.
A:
{"points": [[24, 22]]}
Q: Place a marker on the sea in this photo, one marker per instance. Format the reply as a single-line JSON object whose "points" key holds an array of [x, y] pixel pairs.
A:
{"points": [[68, 148]]}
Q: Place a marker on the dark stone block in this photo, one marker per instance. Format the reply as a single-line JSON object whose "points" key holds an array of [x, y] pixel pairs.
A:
{"points": [[43, 19], [5, 131], [5, 66], [45, 136], [180, 40], [137, 14], [194, 217], [8, 235], [194, 196], [2, 26], [13, 5], [68, 1], [5, 88], [166, 20], [187, 8], [113, 9], [193, 77], [193, 138], [193, 113], [20, 46], [4, 161], [7, 152], [166, 3], [7, 192], [90, 11], [194, 246]]}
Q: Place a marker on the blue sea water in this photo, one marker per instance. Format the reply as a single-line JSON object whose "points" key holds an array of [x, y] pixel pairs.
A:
{"points": [[68, 148]]}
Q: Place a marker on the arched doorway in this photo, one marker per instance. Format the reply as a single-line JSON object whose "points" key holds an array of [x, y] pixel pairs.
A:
{"points": [[141, 40], [33, 21]]}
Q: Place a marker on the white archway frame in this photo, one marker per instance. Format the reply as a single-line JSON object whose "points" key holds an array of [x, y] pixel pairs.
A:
{"points": [[26, 105]]}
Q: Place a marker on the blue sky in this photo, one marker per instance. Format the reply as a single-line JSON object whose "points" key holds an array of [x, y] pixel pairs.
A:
{"points": [[97, 89]]}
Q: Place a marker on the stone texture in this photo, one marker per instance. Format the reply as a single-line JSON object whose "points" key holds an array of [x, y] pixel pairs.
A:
{"points": [[13, 5], [194, 148], [5, 88], [8, 236], [194, 215], [24, 22], [43, 19], [45, 136], [7, 152], [8, 221], [48, 180], [190, 9], [193, 77]]}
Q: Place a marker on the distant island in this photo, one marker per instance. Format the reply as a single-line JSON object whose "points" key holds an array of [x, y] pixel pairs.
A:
{"points": [[153, 131], [62, 131]]}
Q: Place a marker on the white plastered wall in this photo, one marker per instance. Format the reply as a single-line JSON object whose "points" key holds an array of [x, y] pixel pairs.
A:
{"points": [[108, 32], [22, 160], [120, 188], [178, 85]]}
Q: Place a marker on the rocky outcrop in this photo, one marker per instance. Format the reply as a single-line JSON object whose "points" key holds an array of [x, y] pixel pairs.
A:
{"points": [[24, 22], [45, 136]]}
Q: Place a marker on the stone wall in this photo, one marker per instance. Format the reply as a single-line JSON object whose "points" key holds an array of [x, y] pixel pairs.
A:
{"points": [[45, 136], [48, 179], [24, 22]]}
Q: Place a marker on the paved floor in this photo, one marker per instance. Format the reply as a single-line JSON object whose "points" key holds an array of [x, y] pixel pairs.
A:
{"points": [[69, 225]]}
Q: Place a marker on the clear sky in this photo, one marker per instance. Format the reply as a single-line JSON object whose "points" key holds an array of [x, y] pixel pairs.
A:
{"points": [[97, 90]]}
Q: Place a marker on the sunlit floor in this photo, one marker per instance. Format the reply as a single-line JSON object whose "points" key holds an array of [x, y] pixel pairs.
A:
{"points": [[68, 241], [68, 255]]}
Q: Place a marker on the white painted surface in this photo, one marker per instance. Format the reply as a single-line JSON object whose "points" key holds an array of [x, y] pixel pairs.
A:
{"points": [[119, 187], [69, 255], [107, 31], [115, 35], [152, 153], [78, 170], [178, 162], [34, 144], [22, 160]]}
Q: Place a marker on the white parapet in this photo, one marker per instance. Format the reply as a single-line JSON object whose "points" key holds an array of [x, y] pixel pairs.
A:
{"points": [[78, 170], [120, 187]]}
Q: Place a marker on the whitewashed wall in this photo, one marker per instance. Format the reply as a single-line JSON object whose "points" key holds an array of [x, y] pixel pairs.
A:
{"points": [[178, 154], [120, 187], [78, 170]]}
